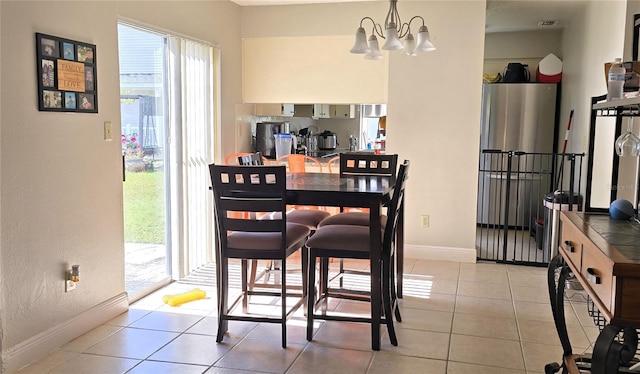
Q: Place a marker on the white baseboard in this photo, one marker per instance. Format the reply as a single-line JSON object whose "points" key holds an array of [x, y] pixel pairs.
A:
{"points": [[426, 252], [37, 347]]}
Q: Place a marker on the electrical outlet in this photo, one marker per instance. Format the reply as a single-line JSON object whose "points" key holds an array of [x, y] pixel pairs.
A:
{"points": [[69, 286], [424, 220]]}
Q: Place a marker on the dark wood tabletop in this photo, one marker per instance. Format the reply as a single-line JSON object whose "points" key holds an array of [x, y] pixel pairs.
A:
{"points": [[325, 189]]}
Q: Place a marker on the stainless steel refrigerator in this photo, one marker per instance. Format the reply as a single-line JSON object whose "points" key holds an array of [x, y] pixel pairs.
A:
{"points": [[515, 117]]}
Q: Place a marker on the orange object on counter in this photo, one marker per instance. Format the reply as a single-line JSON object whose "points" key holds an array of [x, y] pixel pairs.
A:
{"points": [[382, 123]]}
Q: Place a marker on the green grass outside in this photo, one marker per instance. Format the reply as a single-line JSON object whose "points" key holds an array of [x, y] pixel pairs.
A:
{"points": [[144, 214]]}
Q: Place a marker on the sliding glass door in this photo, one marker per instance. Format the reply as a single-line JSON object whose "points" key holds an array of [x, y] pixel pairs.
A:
{"points": [[143, 95], [168, 94]]}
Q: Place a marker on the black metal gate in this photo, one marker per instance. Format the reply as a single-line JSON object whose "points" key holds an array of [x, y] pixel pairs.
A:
{"points": [[512, 218]]}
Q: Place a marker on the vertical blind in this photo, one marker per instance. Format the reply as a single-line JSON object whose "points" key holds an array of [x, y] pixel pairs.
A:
{"points": [[192, 101]]}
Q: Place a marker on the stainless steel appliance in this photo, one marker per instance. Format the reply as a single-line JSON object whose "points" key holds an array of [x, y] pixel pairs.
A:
{"points": [[353, 143], [265, 141], [515, 117], [327, 140]]}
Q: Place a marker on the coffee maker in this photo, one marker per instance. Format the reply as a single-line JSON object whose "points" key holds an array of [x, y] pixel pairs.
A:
{"points": [[265, 141]]}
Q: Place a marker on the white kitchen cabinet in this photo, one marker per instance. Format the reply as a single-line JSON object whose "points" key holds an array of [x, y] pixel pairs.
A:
{"points": [[343, 111], [321, 111], [288, 110], [279, 110]]}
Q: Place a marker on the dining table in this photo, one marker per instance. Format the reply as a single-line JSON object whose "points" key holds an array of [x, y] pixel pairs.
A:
{"points": [[371, 192]]}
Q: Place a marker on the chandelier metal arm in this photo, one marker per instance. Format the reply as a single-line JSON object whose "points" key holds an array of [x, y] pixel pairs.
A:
{"points": [[377, 29], [406, 27], [392, 15]]}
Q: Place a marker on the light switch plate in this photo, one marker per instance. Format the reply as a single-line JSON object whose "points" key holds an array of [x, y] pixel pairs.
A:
{"points": [[108, 131]]}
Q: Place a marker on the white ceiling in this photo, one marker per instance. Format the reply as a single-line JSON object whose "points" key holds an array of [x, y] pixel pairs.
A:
{"points": [[502, 16], [524, 15]]}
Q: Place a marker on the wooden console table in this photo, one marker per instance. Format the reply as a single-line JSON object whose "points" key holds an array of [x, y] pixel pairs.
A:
{"points": [[604, 256]]}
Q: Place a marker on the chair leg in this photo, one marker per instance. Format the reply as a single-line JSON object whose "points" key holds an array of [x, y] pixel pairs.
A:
{"points": [[324, 283], [276, 267], [283, 297], [387, 302], [222, 300], [252, 275], [245, 294], [311, 295], [394, 296], [305, 274], [341, 271], [268, 271]]}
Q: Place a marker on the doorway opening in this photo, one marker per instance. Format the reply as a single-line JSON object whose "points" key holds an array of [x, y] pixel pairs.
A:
{"points": [[145, 188]]}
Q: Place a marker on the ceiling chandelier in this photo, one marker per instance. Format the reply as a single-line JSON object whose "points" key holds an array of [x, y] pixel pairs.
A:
{"points": [[394, 30]]}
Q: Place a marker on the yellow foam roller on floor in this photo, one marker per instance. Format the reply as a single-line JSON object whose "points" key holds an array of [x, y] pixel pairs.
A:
{"points": [[184, 297]]}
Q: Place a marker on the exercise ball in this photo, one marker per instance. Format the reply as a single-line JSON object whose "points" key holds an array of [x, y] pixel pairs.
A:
{"points": [[621, 209]]}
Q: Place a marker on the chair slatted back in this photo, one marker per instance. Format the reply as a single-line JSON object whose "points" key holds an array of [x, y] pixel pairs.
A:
{"points": [[233, 159], [368, 164], [393, 210], [248, 189], [332, 165], [251, 159]]}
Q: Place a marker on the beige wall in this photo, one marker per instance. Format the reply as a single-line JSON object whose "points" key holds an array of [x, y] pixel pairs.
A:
{"points": [[433, 120], [595, 36], [60, 183], [523, 44]]}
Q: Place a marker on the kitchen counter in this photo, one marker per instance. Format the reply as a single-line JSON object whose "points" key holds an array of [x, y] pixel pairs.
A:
{"points": [[327, 154]]}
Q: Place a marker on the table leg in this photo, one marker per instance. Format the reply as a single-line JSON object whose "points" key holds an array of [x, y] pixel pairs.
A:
{"points": [[556, 297], [609, 354]]}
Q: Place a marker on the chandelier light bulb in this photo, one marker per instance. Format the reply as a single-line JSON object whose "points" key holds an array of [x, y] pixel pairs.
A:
{"points": [[392, 42], [410, 45], [424, 44], [375, 53], [360, 46]]}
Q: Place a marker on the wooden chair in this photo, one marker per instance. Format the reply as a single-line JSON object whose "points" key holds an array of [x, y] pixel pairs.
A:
{"points": [[360, 164], [368, 164], [298, 163], [309, 215], [233, 159], [331, 165], [251, 159], [253, 189], [352, 242], [309, 218]]}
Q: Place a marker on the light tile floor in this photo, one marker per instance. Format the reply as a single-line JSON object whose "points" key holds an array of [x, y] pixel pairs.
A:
{"points": [[458, 318]]}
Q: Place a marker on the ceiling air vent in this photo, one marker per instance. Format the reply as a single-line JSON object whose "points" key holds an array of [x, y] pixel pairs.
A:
{"points": [[547, 23]]}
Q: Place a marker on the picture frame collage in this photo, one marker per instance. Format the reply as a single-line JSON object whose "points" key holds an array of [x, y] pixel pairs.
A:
{"points": [[67, 75]]}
